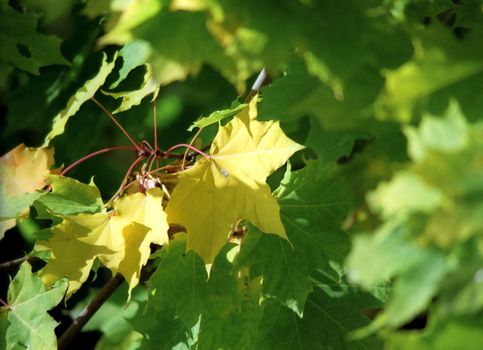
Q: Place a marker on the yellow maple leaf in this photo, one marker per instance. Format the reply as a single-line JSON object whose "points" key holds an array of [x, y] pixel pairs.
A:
{"points": [[148, 224], [74, 245], [120, 239], [23, 169], [231, 184], [147, 209]]}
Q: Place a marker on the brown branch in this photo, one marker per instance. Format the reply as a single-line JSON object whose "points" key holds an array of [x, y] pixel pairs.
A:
{"points": [[89, 311], [12, 264]]}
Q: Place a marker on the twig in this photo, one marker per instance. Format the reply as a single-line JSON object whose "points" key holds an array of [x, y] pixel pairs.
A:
{"points": [[194, 149], [257, 84], [260, 79], [10, 265], [89, 311], [117, 123], [93, 154]]}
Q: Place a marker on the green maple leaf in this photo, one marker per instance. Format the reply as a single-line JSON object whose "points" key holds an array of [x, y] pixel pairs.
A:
{"points": [[86, 92], [177, 295], [31, 327], [414, 84], [417, 272], [217, 116], [431, 216], [19, 31], [243, 154], [134, 97], [133, 55], [326, 324], [69, 196], [176, 271], [312, 209]]}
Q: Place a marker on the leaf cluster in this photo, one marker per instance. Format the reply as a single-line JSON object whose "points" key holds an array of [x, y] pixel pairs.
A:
{"points": [[170, 174]]}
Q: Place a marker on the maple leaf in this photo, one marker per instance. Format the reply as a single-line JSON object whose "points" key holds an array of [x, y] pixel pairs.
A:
{"points": [[74, 245], [230, 184], [30, 326], [120, 239], [23, 169], [147, 210]]}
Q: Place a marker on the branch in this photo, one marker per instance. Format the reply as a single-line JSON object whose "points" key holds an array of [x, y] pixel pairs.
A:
{"points": [[93, 154], [89, 311], [12, 264]]}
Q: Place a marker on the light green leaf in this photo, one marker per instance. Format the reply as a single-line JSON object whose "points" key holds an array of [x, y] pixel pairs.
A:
{"points": [[82, 95], [133, 54], [390, 255], [218, 116], [12, 206], [413, 290], [462, 332], [417, 272], [134, 97], [412, 84], [448, 134], [69, 196], [31, 327], [405, 194], [129, 15]]}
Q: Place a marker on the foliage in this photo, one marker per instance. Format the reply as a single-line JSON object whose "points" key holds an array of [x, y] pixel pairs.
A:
{"points": [[339, 207], [30, 327]]}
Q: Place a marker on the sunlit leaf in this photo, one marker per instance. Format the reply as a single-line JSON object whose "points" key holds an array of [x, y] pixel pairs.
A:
{"points": [[242, 155], [120, 240], [82, 95], [22, 170], [31, 327]]}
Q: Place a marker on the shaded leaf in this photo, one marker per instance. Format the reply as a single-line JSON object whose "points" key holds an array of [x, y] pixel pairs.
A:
{"points": [[312, 209], [22, 45]]}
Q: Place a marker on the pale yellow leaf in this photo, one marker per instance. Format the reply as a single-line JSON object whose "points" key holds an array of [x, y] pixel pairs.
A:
{"points": [[23, 169], [120, 239], [146, 209], [74, 245], [230, 184]]}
